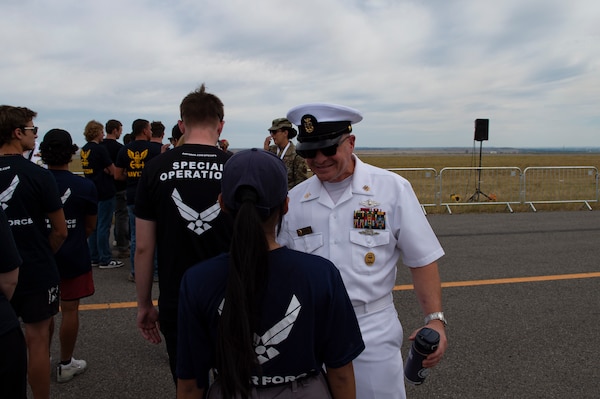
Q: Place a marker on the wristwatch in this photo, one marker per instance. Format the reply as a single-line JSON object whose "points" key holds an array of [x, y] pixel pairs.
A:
{"points": [[436, 316]]}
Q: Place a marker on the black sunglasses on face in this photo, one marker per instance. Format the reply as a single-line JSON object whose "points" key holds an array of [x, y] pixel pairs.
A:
{"points": [[34, 128], [327, 151]]}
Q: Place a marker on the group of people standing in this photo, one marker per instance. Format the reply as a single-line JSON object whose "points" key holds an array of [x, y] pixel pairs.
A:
{"points": [[269, 284], [48, 215], [271, 291], [56, 227]]}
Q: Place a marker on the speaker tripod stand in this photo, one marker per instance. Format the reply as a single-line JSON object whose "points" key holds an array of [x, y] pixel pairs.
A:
{"points": [[478, 192]]}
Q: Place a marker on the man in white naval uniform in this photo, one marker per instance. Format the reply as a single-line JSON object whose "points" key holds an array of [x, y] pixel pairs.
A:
{"points": [[364, 219]]}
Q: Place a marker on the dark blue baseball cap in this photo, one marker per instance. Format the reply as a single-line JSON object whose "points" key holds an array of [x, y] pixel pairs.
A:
{"points": [[261, 170]]}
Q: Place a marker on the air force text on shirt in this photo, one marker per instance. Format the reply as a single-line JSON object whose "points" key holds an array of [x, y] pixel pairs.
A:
{"points": [[20, 222], [204, 169], [275, 380]]}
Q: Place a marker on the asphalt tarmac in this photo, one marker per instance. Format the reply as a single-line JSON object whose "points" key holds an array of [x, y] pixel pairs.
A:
{"points": [[521, 294]]}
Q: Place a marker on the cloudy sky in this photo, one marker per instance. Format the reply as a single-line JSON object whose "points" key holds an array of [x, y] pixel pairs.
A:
{"points": [[419, 71]]}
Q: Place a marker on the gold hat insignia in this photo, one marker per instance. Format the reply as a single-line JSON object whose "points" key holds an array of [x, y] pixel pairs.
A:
{"points": [[308, 124]]}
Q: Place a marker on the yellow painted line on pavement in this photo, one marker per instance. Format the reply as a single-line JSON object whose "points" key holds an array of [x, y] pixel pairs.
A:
{"points": [[407, 287], [118, 305], [513, 280]]}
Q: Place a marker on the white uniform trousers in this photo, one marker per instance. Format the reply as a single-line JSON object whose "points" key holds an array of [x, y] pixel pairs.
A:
{"points": [[379, 370]]}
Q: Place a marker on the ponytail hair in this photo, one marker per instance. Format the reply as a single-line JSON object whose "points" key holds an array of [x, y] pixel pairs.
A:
{"points": [[246, 283]]}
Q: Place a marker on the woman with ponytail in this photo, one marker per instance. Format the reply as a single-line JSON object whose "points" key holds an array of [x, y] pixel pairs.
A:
{"points": [[270, 321]]}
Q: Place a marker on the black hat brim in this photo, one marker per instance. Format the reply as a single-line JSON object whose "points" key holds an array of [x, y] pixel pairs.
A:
{"points": [[318, 144]]}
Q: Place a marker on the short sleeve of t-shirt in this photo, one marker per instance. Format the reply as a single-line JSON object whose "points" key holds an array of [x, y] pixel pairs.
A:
{"points": [[121, 159], [104, 157], [345, 340]]}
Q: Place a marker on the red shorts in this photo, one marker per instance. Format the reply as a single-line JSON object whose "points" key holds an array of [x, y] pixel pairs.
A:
{"points": [[72, 289]]}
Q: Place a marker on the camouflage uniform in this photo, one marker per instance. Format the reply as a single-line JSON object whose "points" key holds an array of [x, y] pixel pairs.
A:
{"points": [[295, 164]]}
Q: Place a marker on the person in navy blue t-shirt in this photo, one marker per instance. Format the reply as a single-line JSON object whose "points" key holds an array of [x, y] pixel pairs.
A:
{"points": [[266, 317], [80, 204]]}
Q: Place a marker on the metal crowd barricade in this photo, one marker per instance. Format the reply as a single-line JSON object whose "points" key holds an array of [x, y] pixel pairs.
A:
{"points": [[560, 184], [424, 183], [479, 186]]}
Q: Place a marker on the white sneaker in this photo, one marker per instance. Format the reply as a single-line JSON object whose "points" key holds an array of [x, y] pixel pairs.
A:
{"points": [[66, 373], [111, 265]]}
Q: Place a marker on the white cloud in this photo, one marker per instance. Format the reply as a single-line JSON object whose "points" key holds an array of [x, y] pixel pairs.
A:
{"points": [[420, 72]]}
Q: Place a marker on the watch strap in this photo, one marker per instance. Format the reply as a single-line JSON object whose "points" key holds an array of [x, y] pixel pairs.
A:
{"points": [[436, 316]]}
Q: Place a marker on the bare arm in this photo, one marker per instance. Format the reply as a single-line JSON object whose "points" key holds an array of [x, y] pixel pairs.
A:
{"points": [[8, 282], [110, 169], [188, 389], [90, 224], [58, 229], [120, 174], [428, 289], [341, 382], [147, 316]]}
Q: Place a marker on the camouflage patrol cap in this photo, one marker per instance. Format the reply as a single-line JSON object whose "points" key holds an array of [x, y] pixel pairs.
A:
{"points": [[283, 123]]}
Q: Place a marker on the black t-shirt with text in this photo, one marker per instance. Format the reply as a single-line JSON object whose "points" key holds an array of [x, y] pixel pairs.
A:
{"points": [[133, 158], [178, 191], [94, 159], [28, 193]]}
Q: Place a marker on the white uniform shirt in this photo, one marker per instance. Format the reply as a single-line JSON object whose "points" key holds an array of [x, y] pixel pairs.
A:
{"points": [[367, 262]]}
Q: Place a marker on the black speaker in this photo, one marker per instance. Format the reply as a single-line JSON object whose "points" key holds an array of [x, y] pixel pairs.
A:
{"points": [[482, 127]]}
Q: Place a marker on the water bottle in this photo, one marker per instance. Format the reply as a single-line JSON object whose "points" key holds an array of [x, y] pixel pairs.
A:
{"points": [[426, 342]]}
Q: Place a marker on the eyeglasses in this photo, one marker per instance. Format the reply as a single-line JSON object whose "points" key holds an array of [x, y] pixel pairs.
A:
{"points": [[274, 132], [327, 151], [34, 128]]}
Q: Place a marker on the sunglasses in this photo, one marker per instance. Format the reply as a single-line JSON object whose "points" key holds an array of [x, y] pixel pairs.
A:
{"points": [[34, 128], [327, 151]]}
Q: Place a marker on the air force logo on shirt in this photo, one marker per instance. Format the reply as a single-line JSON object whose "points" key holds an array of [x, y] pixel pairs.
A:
{"points": [[7, 194], [263, 345], [198, 222], [65, 196], [71, 223]]}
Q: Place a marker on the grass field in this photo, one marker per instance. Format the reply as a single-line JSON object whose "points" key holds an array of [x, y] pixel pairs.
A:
{"points": [[387, 160], [521, 161]]}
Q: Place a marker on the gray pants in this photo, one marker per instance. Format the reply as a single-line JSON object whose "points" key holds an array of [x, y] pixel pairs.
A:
{"points": [[308, 388]]}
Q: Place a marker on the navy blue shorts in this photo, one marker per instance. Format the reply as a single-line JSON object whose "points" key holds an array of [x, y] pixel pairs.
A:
{"points": [[37, 306]]}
